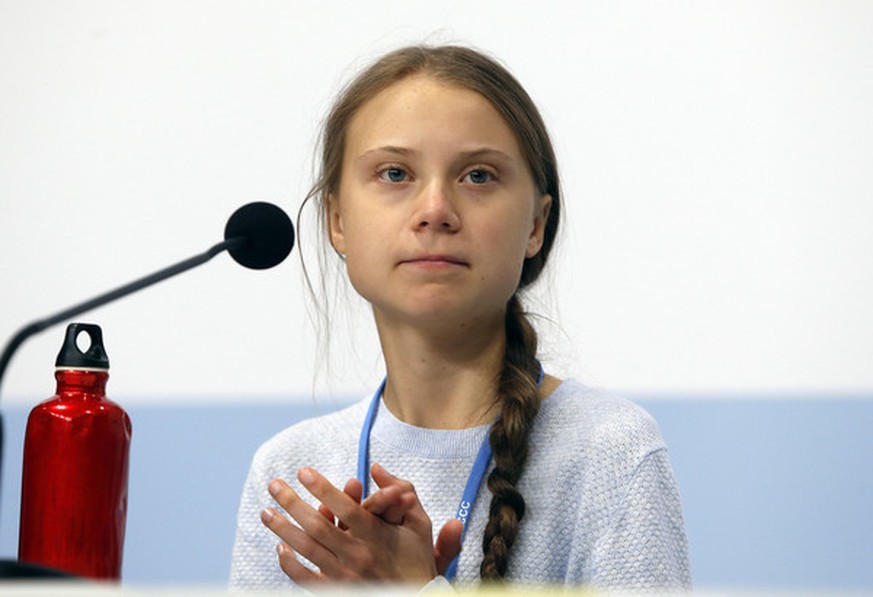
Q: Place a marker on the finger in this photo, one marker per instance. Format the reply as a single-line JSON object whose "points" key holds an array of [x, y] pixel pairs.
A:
{"points": [[448, 544], [412, 512], [347, 510], [354, 490], [296, 571], [383, 478], [325, 511], [316, 539], [298, 540], [390, 504], [406, 508]]}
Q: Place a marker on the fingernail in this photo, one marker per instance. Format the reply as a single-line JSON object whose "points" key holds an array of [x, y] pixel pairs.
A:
{"points": [[305, 475], [280, 549], [275, 487], [266, 515]]}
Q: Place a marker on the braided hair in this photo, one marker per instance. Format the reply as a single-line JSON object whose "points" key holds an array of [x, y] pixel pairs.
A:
{"points": [[518, 392], [519, 396]]}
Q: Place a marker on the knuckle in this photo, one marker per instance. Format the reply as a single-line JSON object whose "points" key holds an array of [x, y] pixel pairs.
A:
{"points": [[283, 494]]}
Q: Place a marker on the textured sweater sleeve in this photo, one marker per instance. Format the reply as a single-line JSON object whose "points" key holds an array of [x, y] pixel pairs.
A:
{"points": [[645, 547]]}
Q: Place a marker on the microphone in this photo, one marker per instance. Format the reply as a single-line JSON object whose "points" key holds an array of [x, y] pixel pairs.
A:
{"points": [[268, 232], [258, 235]]}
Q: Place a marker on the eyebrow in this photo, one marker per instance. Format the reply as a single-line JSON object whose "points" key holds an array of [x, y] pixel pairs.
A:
{"points": [[467, 155], [387, 149]]}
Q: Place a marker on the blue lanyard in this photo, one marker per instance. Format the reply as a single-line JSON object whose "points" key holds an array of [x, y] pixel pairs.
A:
{"points": [[480, 466], [364, 442]]}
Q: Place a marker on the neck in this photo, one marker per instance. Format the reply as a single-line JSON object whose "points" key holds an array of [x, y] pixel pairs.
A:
{"points": [[443, 379]]}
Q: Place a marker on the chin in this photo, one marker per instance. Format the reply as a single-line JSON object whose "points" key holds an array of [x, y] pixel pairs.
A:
{"points": [[445, 314]]}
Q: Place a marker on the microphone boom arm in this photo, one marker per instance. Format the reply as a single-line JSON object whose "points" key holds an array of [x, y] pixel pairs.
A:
{"points": [[107, 297]]}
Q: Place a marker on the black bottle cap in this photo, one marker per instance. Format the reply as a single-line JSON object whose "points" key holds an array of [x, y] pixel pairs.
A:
{"points": [[71, 357]]}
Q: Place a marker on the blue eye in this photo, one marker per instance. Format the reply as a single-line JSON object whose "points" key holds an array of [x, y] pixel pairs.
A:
{"points": [[394, 174], [479, 176]]}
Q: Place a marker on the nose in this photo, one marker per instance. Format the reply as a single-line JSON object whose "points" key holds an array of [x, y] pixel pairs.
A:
{"points": [[436, 209]]}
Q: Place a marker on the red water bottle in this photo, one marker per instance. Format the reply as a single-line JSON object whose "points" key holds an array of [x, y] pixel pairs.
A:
{"points": [[74, 479]]}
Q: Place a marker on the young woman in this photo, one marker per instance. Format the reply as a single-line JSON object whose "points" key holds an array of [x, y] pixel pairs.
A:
{"points": [[439, 190]]}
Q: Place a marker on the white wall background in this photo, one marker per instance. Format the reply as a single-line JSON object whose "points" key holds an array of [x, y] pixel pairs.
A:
{"points": [[717, 180]]}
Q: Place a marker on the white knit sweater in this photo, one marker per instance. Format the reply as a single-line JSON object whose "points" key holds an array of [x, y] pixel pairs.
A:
{"points": [[603, 508]]}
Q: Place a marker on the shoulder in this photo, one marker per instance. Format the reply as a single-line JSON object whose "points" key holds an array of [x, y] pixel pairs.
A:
{"points": [[332, 433], [581, 420], [605, 450]]}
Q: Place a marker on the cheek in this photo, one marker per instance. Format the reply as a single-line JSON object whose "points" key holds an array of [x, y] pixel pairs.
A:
{"points": [[507, 250], [360, 276], [510, 237], [366, 254]]}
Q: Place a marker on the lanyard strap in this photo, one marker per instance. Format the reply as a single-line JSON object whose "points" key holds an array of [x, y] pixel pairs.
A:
{"points": [[364, 442], [465, 508], [480, 467]]}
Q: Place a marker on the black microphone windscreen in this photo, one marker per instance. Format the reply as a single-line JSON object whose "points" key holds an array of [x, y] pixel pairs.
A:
{"points": [[268, 231]]}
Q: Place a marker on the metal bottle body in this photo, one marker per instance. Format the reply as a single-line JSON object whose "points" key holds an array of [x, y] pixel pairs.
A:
{"points": [[75, 479]]}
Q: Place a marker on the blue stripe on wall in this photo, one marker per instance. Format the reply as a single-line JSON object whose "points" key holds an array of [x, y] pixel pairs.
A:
{"points": [[778, 493]]}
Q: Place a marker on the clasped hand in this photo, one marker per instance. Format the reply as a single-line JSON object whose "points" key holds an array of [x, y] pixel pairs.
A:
{"points": [[386, 538]]}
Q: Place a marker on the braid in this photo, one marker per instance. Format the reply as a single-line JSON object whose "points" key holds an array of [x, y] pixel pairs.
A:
{"points": [[518, 392]]}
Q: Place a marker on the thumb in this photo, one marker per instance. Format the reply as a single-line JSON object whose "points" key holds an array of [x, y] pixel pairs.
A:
{"points": [[448, 545]]}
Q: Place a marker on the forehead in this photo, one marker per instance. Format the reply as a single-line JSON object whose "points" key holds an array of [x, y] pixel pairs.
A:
{"points": [[420, 109]]}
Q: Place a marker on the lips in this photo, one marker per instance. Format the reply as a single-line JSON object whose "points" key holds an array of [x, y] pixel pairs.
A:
{"points": [[435, 260]]}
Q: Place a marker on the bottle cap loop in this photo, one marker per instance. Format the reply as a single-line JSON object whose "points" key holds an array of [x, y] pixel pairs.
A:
{"points": [[71, 356]]}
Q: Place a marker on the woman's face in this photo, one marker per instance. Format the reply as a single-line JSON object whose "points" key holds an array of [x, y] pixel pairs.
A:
{"points": [[436, 209]]}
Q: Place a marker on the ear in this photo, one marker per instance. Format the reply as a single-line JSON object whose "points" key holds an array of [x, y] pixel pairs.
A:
{"points": [[541, 216], [335, 224]]}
